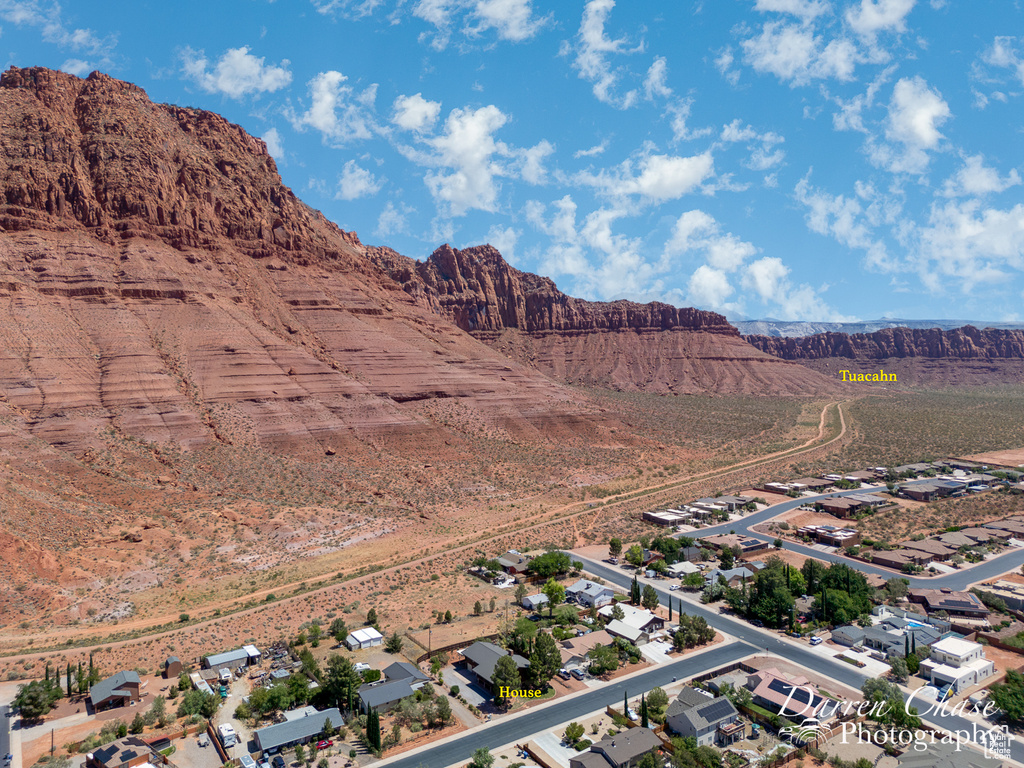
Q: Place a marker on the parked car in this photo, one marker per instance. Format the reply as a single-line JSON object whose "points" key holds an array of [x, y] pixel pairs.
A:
{"points": [[795, 634], [324, 744], [278, 761], [578, 674], [673, 588], [757, 623], [245, 761], [360, 666], [564, 674], [816, 641]]}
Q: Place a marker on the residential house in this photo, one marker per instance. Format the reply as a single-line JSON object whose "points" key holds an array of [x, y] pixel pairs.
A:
{"points": [[172, 667], [934, 549], [1009, 592], [957, 663], [128, 752], [623, 750], [535, 602], [682, 569], [635, 635], [384, 696], [709, 721], [896, 558], [965, 604], [734, 577], [839, 506], [590, 594], [667, 517], [574, 650], [640, 618], [745, 544], [367, 637], [514, 562], [481, 658], [301, 730], [118, 690], [403, 670], [732, 503], [246, 656], [790, 696]]}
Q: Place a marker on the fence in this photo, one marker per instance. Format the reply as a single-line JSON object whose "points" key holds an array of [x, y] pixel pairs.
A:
{"points": [[453, 647], [215, 740], [995, 642]]}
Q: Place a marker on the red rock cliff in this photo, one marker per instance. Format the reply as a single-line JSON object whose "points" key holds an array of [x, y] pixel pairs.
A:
{"points": [[967, 343]]}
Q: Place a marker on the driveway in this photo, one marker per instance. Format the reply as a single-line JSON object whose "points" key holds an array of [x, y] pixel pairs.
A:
{"points": [[469, 689], [188, 754]]}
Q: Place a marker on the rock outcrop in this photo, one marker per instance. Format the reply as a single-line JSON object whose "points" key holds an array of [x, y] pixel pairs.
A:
{"points": [[620, 344], [967, 343]]}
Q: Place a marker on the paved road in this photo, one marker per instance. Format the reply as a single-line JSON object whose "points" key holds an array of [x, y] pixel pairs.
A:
{"points": [[957, 580], [521, 728], [5, 734], [771, 642]]}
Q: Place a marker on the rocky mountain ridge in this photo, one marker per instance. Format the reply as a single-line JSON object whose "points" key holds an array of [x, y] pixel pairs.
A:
{"points": [[623, 345], [966, 343]]}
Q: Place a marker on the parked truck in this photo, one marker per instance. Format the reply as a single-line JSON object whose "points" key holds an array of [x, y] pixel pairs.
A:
{"points": [[227, 735]]}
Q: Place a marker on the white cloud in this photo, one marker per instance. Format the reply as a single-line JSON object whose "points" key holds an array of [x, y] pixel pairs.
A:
{"points": [[54, 30], [237, 73], [794, 54], [504, 239], [532, 168], [874, 16], [339, 113], [915, 114], [597, 149], [769, 279], [355, 182], [392, 221], [415, 113], [976, 178], [805, 9], [724, 62], [275, 145], [696, 232], [709, 288], [593, 50], [655, 84], [352, 9], [76, 67], [846, 220], [657, 179], [1003, 54], [512, 19], [467, 148]]}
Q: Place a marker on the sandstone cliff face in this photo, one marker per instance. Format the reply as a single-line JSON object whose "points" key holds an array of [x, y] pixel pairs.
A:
{"points": [[967, 343], [621, 344], [159, 282]]}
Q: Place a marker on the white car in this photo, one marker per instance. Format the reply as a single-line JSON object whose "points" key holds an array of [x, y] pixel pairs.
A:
{"points": [[360, 666], [816, 641], [246, 761], [673, 588]]}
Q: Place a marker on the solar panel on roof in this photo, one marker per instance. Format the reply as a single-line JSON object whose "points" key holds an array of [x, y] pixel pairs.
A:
{"points": [[716, 709]]}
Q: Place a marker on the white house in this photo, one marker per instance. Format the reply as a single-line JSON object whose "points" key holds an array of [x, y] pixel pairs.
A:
{"points": [[682, 569], [364, 638], [535, 602], [589, 594], [957, 663]]}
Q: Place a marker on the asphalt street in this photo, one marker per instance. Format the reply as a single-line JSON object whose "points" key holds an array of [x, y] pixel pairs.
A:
{"points": [[958, 580], [5, 734], [772, 643], [520, 729]]}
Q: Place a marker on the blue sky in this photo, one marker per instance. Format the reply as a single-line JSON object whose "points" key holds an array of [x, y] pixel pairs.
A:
{"points": [[796, 159]]}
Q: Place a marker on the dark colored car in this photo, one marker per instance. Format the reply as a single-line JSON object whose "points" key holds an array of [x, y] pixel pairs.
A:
{"points": [[278, 761]]}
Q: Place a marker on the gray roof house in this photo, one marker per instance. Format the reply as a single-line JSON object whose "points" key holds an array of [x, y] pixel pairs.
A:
{"points": [[481, 657], [403, 670], [849, 635], [116, 691], [588, 593], [384, 696], [623, 750], [709, 721], [245, 656], [283, 735]]}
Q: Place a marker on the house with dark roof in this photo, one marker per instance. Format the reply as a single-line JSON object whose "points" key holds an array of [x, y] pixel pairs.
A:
{"points": [[118, 690], [709, 721], [403, 670], [589, 593], [953, 603], [793, 697], [172, 667], [514, 562], [481, 657], [280, 736], [383, 696], [623, 750], [128, 752], [934, 549]]}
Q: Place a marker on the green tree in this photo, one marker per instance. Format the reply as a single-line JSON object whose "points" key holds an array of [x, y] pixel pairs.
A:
{"points": [[34, 700], [394, 643], [315, 634], [550, 564], [520, 593], [555, 594], [159, 711], [812, 571], [196, 702], [138, 724], [340, 681], [898, 669], [371, 616], [1009, 696], [650, 598], [693, 581], [573, 733], [618, 613], [478, 608], [726, 560], [650, 760], [339, 630], [545, 659], [615, 546], [300, 753], [444, 711], [482, 758], [635, 555], [493, 603], [657, 699], [506, 676], [602, 659]]}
